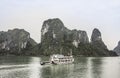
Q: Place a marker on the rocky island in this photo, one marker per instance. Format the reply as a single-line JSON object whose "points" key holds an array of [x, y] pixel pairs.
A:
{"points": [[16, 42], [55, 38]]}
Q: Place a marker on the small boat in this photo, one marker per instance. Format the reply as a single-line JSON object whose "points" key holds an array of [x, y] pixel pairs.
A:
{"points": [[61, 59], [44, 62]]}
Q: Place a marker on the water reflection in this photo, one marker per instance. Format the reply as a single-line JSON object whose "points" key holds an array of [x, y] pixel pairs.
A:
{"points": [[80, 68], [84, 67], [94, 67], [58, 71], [106, 67], [27, 67], [111, 69], [35, 68]]}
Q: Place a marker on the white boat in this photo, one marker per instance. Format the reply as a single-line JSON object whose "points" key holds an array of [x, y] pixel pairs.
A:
{"points": [[61, 59]]}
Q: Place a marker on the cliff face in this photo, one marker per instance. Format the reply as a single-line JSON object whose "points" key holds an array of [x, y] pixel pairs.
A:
{"points": [[15, 41], [99, 47], [55, 29], [117, 49], [56, 38], [96, 39]]}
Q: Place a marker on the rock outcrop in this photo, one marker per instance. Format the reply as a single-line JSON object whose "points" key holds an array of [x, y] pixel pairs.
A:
{"points": [[96, 39], [99, 48], [56, 38], [15, 41], [117, 49]]}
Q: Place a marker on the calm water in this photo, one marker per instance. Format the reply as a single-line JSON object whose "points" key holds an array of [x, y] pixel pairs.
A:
{"points": [[84, 67]]}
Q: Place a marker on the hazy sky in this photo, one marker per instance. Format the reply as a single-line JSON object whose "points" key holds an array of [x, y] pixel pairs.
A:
{"points": [[75, 14]]}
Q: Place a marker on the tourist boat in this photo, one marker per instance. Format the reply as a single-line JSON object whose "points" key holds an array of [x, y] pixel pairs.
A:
{"points": [[58, 59], [61, 59]]}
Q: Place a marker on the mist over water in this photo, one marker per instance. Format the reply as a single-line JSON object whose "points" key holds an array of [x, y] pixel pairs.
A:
{"points": [[83, 67]]}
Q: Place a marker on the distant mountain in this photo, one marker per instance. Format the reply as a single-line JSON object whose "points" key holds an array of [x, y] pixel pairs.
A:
{"points": [[117, 49], [15, 41], [56, 38]]}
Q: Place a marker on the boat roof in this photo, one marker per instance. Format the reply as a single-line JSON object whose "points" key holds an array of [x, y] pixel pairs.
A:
{"points": [[58, 55]]}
